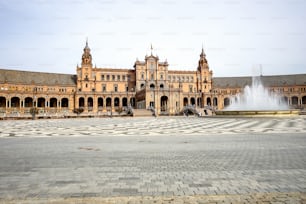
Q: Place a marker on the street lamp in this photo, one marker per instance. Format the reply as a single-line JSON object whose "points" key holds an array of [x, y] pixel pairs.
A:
{"points": [[33, 110]]}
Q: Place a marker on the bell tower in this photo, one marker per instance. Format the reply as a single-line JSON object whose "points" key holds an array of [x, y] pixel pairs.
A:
{"points": [[85, 72], [204, 75], [86, 57]]}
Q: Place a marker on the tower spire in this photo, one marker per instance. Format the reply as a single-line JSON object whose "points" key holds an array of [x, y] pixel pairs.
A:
{"points": [[202, 53], [151, 50]]}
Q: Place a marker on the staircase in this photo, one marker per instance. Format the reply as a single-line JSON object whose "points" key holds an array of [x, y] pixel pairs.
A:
{"points": [[142, 113]]}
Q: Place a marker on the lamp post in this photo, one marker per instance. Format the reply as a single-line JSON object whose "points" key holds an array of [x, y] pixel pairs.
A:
{"points": [[33, 109]]}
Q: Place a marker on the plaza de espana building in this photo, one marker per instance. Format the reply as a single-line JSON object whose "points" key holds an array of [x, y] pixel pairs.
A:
{"points": [[150, 84]]}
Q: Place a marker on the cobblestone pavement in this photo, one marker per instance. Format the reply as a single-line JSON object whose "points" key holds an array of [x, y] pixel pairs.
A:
{"points": [[163, 160], [150, 126]]}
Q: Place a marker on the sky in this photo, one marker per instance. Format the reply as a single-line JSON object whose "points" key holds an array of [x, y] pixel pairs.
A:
{"points": [[237, 35]]}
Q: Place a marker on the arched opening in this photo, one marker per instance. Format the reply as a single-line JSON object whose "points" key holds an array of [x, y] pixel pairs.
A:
{"points": [[294, 100], [215, 101], [161, 86], [15, 102], [89, 102], [142, 86], [208, 101], [108, 102], [226, 102], [53, 102], [116, 102], [41, 102], [28, 102], [185, 102], [2, 102], [192, 101], [164, 103], [132, 101], [100, 102], [81, 102], [65, 103], [152, 86], [304, 100], [124, 101]]}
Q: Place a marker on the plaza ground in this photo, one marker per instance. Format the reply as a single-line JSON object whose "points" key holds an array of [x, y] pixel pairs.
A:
{"points": [[153, 160]]}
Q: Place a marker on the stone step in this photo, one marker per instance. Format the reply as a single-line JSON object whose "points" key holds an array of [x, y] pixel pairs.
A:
{"points": [[142, 112]]}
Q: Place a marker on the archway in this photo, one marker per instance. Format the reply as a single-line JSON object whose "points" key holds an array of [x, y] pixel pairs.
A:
{"points": [[81, 102], [15, 102], [152, 86], [2, 102], [28, 102], [89, 102], [304, 100], [108, 102], [53, 102], [185, 102], [208, 101], [116, 102], [164, 103], [294, 100], [226, 102], [124, 101], [41, 102], [65, 103], [100, 102], [192, 101], [161, 86]]}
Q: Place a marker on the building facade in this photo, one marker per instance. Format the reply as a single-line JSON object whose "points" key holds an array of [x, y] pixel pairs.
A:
{"points": [[150, 84]]}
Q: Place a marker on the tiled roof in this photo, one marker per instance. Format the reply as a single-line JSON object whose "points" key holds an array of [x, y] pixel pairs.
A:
{"points": [[268, 81], [41, 78]]}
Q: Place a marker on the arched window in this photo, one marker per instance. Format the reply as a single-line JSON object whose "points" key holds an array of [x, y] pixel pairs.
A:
{"points": [[81, 102], [226, 102], [53, 102], [65, 103]]}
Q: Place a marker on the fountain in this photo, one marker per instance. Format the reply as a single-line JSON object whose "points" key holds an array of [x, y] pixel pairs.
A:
{"points": [[257, 100]]}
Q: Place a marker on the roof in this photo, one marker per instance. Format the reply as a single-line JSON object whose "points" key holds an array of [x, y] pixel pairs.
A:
{"points": [[268, 81], [41, 78]]}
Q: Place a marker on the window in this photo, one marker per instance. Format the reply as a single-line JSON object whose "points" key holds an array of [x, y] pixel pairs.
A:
{"points": [[190, 88], [116, 87], [123, 77], [161, 77], [104, 87], [142, 76], [118, 77], [107, 77], [102, 77], [113, 77], [152, 76]]}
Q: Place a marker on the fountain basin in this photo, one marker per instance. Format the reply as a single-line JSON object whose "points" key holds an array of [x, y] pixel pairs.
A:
{"points": [[257, 112]]}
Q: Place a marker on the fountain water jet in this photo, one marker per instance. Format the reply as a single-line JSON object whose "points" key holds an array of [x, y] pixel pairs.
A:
{"points": [[257, 97], [256, 100]]}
